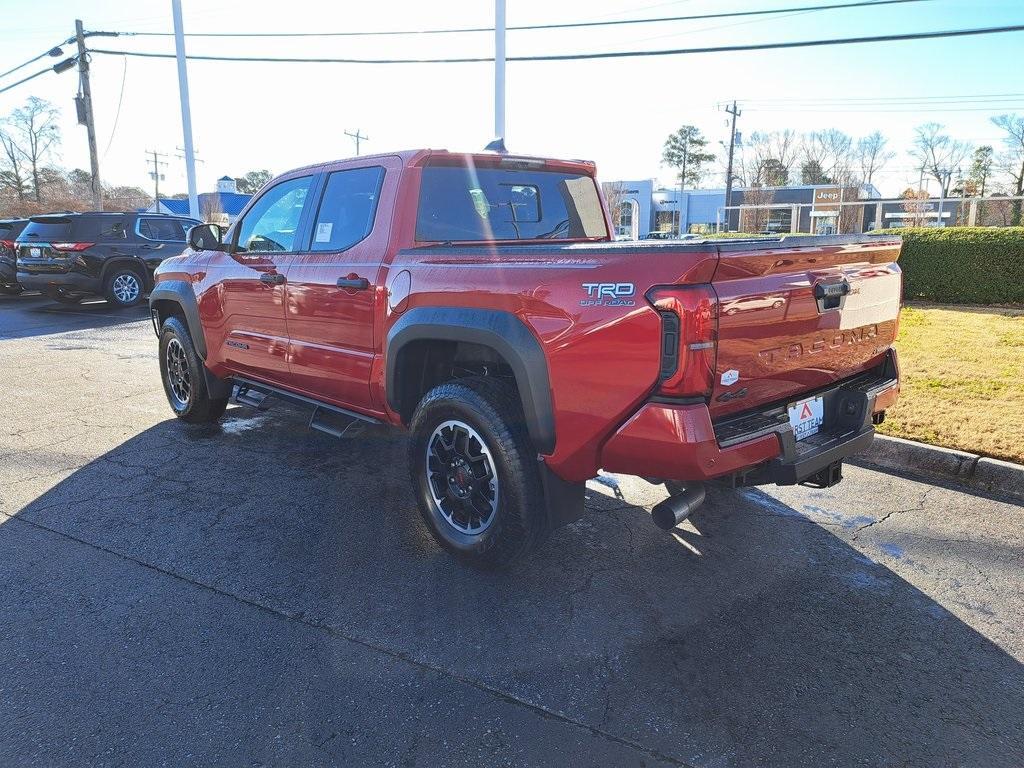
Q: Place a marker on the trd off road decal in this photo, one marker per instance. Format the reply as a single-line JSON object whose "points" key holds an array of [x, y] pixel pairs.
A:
{"points": [[608, 295]]}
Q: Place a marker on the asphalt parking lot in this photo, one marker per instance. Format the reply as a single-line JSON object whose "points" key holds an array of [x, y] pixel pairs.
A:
{"points": [[256, 594]]}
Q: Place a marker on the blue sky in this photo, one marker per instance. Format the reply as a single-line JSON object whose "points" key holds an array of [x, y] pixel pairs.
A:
{"points": [[616, 112]]}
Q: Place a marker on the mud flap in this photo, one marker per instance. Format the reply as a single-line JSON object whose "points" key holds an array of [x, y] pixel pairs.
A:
{"points": [[563, 501]]}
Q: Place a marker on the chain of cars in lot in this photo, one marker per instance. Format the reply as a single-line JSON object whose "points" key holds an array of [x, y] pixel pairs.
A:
{"points": [[71, 256]]}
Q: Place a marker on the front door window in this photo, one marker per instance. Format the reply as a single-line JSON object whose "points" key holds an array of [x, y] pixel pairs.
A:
{"points": [[273, 221]]}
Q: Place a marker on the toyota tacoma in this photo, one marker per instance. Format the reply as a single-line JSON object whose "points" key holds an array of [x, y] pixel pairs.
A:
{"points": [[479, 302]]}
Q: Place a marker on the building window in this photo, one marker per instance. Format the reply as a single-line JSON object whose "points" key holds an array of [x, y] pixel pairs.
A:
{"points": [[666, 221], [780, 219], [624, 226]]}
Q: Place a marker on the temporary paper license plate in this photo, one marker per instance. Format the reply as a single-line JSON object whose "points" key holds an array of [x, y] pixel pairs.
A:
{"points": [[806, 416]]}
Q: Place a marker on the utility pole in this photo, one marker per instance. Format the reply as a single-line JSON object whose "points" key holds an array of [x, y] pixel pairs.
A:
{"points": [[186, 110], [90, 124], [499, 70], [732, 110], [357, 136], [152, 156]]}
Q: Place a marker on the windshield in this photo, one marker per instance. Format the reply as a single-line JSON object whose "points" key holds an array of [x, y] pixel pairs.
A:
{"points": [[463, 203]]}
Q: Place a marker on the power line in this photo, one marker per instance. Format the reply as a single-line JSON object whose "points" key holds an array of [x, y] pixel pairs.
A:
{"points": [[990, 108], [26, 79], [525, 27], [899, 99], [603, 55], [117, 115], [54, 52]]}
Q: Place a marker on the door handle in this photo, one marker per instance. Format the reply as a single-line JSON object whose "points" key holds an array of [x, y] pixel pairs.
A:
{"points": [[355, 283], [272, 278]]}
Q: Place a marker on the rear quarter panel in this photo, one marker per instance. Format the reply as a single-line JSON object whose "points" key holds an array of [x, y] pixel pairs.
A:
{"points": [[603, 359]]}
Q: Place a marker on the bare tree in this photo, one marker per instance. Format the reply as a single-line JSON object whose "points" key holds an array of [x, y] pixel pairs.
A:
{"points": [[12, 170], [1011, 160], [212, 212], [753, 213], [33, 134], [767, 157], [832, 150], [614, 196], [938, 154], [871, 155]]}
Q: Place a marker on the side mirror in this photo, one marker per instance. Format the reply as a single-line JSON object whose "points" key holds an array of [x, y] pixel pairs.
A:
{"points": [[206, 237]]}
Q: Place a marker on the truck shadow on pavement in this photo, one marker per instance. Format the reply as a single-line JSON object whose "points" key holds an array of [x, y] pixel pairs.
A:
{"points": [[31, 314], [752, 636]]}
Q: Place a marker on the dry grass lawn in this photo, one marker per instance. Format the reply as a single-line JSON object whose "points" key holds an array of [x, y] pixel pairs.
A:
{"points": [[963, 379]]}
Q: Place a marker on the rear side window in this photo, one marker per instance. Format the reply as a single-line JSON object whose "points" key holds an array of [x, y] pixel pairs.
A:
{"points": [[479, 204], [162, 229], [9, 230], [48, 229], [106, 228], [347, 208]]}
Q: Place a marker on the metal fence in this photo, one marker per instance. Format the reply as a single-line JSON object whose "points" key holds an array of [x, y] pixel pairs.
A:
{"points": [[853, 216]]}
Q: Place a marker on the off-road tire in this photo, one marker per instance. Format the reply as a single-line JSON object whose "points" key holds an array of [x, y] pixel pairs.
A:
{"points": [[492, 409], [115, 292], [198, 407]]}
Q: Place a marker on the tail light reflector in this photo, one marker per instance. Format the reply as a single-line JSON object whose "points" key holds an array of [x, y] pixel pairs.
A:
{"points": [[689, 342], [8, 244], [71, 246]]}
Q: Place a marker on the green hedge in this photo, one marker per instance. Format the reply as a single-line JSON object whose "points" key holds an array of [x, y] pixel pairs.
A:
{"points": [[962, 265]]}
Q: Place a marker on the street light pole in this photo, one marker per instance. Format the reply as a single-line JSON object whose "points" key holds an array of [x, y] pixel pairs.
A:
{"points": [[186, 112], [499, 69]]}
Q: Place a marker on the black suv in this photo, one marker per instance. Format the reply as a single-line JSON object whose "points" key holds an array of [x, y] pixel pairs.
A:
{"points": [[9, 231], [69, 256]]}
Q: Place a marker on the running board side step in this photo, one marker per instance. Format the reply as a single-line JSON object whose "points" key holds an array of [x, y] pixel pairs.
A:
{"points": [[329, 419], [244, 395]]}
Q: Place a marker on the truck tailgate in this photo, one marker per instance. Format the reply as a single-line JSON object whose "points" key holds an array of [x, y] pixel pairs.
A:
{"points": [[800, 316]]}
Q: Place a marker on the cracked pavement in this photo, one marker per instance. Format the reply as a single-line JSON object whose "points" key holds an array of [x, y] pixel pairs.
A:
{"points": [[255, 593]]}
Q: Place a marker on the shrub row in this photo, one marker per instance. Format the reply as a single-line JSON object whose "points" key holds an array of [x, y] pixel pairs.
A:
{"points": [[962, 265]]}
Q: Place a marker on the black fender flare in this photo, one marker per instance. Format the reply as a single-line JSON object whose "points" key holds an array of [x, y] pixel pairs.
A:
{"points": [[180, 292], [503, 332]]}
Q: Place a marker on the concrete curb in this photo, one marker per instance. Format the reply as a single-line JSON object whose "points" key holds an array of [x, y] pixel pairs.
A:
{"points": [[931, 460]]}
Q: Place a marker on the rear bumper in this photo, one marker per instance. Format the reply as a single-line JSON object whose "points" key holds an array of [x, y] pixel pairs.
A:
{"points": [[680, 442], [52, 282]]}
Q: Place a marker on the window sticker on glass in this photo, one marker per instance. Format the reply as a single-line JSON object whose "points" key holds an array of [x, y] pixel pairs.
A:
{"points": [[483, 208], [323, 232]]}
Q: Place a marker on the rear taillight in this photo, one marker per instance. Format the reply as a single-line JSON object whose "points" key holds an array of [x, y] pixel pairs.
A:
{"points": [[8, 244], [71, 246], [689, 339]]}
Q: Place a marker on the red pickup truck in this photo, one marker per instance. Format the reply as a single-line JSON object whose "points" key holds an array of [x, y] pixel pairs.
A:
{"points": [[478, 301]]}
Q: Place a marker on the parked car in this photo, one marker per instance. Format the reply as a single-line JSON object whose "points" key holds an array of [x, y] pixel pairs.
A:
{"points": [[70, 256], [479, 302], [9, 231]]}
